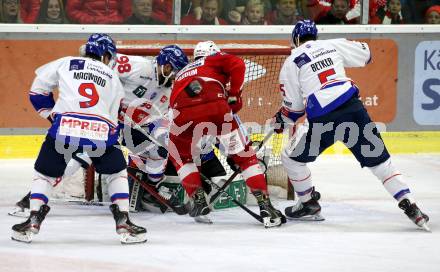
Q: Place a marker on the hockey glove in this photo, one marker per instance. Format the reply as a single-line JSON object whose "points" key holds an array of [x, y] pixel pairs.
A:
{"points": [[235, 103], [194, 88], [278, 123], [232, 164]]}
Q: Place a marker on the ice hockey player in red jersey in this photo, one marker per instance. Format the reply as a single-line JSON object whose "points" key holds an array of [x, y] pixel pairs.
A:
{"points": [[204, 107]]}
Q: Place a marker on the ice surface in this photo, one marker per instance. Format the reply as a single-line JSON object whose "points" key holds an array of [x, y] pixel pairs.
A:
{"points": [[364, 230]]}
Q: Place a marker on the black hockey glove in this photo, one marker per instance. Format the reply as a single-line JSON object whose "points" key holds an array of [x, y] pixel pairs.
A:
{"points": [[194, 88], [279, 123], [232, 164]]}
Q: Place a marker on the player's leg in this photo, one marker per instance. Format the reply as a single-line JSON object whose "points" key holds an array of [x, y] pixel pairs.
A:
{"points": [[113, 167], [49, 168], [148, 163], [78, 160], [371, 152], [237, 148], [188, 172], [311, 140]]}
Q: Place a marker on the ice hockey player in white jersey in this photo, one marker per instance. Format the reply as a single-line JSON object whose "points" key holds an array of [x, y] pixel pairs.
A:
{"points": [[84, 118], [147, 87], [313, 82], [144, 114]]}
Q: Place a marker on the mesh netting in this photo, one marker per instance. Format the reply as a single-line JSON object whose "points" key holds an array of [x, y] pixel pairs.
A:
{"points": [[261, 97]]}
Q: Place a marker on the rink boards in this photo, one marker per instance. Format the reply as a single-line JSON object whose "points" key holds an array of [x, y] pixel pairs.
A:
{"points": [[27, 146]]}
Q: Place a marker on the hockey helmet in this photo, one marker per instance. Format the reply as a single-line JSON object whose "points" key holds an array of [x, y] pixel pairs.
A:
{"points": [[204, 49], [99, 44], [173, 55], [302, 29]]}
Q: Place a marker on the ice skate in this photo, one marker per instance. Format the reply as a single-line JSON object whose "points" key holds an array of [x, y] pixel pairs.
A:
{"points": [[25, 231], [21, 208], [271, 216], [307, 211], [415, 214], [203, 219], [199, 206], [129, 232]]}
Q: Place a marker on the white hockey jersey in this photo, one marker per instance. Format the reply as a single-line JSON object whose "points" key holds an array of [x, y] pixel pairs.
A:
{"points": [[88, 101], [313, 78], [144, 100]]}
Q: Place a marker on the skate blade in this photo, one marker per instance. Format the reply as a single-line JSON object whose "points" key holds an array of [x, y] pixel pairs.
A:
{"points": [[22, 237], [314, 217], [128, 239], [203, 219], [268, 223], [19, 212], [425, 227]]}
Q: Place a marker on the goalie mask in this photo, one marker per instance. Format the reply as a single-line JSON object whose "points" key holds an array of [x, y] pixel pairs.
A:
{"points": [[175, 57], [204, 49]]}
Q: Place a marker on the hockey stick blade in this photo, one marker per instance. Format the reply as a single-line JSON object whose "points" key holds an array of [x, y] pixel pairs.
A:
{"points": [[180, 210]]}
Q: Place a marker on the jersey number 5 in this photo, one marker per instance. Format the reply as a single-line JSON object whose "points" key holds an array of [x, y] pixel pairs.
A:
{"points": [[323, 76], [88, 90]]}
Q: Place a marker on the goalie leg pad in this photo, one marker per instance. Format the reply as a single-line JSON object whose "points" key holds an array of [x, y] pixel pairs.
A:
{"points": [[392, 180]]}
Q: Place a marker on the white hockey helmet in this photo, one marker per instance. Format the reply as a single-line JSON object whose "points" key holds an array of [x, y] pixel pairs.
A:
{"points": [[204, 49]]}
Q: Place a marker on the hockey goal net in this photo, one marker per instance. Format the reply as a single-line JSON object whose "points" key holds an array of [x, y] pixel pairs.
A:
{"points": [[261, 100]]}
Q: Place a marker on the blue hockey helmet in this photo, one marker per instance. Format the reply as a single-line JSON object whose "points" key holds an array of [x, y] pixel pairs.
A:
{"points": [[302, 29], [173, 55], [99, 44]]}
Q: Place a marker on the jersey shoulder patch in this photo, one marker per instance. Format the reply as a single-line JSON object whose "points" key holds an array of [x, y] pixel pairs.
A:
{"points": [[77, 64], [302, 60]]}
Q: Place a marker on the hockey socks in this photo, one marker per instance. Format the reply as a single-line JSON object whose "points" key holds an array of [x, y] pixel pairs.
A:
{"points": [[392, 180], [118, 189], [41, 189]]}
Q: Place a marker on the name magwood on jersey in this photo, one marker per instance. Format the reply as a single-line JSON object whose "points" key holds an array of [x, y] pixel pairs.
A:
{"points": [[88, 100], [313, 77], [144, 100]]}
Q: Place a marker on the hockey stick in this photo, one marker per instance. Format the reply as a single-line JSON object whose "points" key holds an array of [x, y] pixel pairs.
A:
{"points": [[134, 196], [180, 210], [238, 203], [215, 196]]}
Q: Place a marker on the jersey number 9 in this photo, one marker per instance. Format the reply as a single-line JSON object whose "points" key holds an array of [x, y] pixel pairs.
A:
{"points": [[88, 90]]}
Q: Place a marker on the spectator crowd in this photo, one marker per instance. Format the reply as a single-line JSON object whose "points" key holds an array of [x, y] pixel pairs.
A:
{"points": [[218, 12]]}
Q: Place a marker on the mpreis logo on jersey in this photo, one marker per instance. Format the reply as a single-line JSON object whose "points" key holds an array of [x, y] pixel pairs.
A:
{"points": [[427, 83], [90, 129]]}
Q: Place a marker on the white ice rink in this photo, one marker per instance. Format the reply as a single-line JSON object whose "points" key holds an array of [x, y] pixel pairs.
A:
{"points": [[364, 230]]}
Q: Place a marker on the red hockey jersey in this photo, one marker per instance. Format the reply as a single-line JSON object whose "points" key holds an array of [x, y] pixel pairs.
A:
{"points": [[220, 75]]}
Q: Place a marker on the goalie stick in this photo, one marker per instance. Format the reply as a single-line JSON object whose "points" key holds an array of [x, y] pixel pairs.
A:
{"points": [[215, 196], [179, 209]]}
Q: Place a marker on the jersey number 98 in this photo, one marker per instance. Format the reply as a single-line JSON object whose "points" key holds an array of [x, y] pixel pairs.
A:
{"points": [[88, 90], [123, 65]]}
